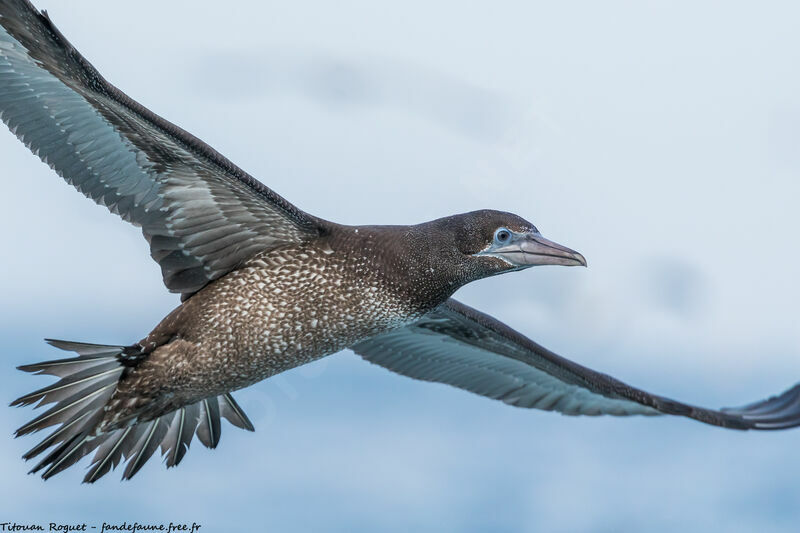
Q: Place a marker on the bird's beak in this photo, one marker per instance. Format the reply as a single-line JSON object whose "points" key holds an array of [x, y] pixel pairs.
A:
{"points": [[531, 249]]}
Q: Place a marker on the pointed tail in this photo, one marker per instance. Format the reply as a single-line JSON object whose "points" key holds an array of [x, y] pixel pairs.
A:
{"points": [[87, 383]]}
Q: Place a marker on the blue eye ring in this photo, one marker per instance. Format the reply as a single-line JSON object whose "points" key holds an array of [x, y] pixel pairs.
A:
{"points": [[502, 235]]}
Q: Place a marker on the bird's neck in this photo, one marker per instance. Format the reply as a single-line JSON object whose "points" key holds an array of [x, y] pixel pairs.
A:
{"points": [[425, 278], [417, 271]]}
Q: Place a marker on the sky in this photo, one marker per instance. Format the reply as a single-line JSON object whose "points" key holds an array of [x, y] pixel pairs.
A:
{"points": [[657, 138]]}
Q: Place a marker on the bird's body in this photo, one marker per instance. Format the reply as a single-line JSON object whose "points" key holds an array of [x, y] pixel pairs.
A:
{"points": [[266, 287], [283, 308]]}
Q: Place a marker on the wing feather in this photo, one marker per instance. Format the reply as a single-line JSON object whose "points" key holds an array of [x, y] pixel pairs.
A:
{"points": [[202, 215], [460, 346]]}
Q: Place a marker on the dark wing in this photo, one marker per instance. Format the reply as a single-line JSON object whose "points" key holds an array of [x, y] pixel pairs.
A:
{"points": [[460, 346], [202, 215]]}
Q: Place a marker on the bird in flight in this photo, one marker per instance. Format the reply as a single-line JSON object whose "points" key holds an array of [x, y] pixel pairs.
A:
{"points": [[266, 287]]}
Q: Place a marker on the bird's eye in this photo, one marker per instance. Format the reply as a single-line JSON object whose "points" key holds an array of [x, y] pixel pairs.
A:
{"points": [[502, 236]]}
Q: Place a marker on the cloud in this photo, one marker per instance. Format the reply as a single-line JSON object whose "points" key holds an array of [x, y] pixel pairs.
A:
{"points": [[674, 286], [349, 85]]}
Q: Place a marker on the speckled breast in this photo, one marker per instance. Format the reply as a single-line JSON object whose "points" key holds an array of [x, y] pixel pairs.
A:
{"points": [[285, 308]]}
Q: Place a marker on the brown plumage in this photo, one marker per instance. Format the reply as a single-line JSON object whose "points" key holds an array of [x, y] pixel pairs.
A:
{"points": [[265, 286]]}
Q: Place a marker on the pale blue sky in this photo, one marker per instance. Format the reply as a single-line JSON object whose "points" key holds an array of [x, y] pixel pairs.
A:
{"points": [[658, 138]]}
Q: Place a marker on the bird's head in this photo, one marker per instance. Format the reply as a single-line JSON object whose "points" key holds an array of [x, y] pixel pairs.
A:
{"points": [[486, 243]]}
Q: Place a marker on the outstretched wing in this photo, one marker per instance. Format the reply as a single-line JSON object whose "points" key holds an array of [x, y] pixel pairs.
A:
{"points": [[463, 347], [201, 214]]}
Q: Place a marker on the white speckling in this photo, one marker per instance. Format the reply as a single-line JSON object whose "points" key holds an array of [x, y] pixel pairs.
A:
{"points": [[281, 309]]}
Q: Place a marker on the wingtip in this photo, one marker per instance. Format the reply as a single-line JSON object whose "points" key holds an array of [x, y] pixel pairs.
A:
{"points": [[781, 411]]}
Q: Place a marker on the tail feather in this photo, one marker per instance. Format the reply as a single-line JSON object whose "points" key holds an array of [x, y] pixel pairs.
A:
{"points": [[89, 355], [54, 454], [111, 453], [68, 454], [148, 443], [208, 431], [64, 433], [182, 430], [66, 367], [108, 371], [85, 349], [64, 411], [233, 413], [86, 384]]}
